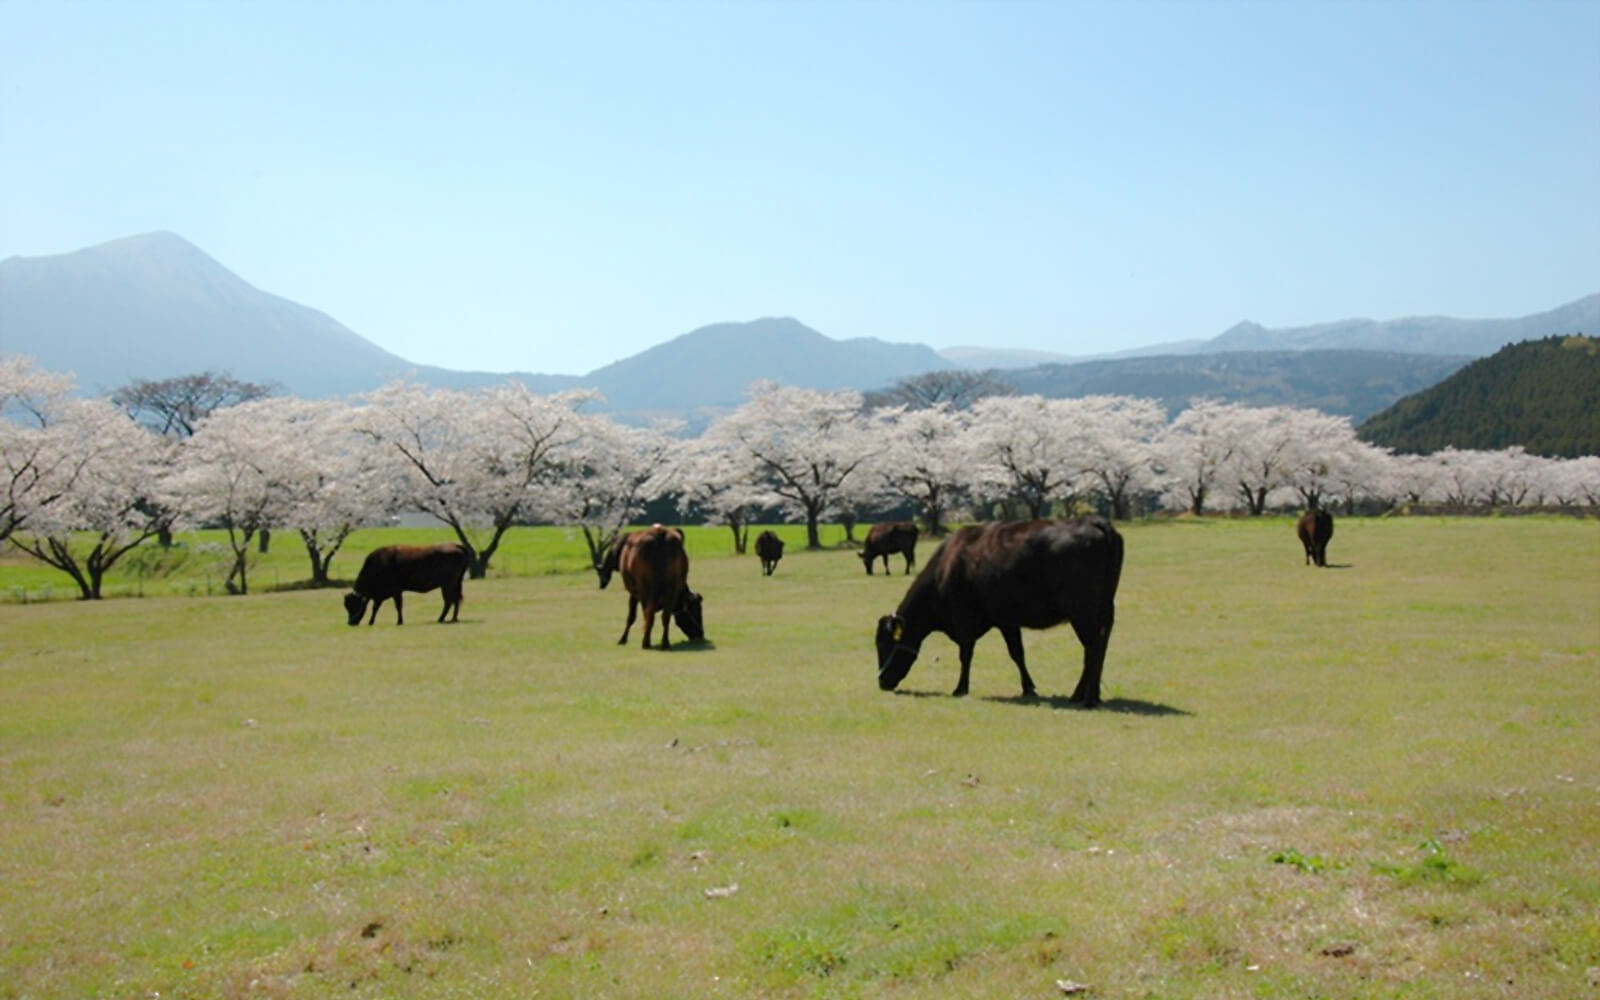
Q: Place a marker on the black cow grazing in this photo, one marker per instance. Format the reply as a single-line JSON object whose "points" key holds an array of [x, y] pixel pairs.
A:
{"points": [[608, 562], [770, 548], [395, 568], [1315, 527], [656, 571], [888, 538], [1010, 576]]}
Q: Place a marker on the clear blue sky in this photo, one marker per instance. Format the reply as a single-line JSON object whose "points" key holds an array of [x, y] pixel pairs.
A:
{"points": [[553, 186]]}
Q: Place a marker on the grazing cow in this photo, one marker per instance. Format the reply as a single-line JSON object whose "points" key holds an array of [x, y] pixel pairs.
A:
{"points": [[608, 562], [888, 538], [770, 548], [395, 568], [1315, 527], [1010, 576], [656, 571]]}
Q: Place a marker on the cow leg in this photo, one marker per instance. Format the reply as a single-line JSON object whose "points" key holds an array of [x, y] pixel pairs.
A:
{"points": [[373, 618], [633, 610], [966, 670], [1013, 637], [649, 624], [1095, 635], [399, 616], [666, 629]]}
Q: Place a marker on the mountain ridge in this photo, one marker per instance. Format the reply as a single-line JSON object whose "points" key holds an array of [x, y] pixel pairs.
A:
{"points": [[154, 306]]}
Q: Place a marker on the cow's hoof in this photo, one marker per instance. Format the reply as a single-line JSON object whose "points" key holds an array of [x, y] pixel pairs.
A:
{"points": [[1030, 693], [959, 693]]}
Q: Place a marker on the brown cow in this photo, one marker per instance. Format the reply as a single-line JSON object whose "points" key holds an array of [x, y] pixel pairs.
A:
{"points": [[769, 547], [1010, 576], [655, 569], [395, 568], [888, 538], [1315, 527]]}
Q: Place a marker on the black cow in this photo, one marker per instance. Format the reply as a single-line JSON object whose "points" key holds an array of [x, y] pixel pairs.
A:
{"points": [[769, 547], [1315, 527], [608, 562], [888, 538], [655, 569], [395, 568], [1010, 576]]}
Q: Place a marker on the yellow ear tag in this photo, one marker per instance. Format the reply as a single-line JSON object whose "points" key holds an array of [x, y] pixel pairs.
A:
{"points": [[899, 630]]}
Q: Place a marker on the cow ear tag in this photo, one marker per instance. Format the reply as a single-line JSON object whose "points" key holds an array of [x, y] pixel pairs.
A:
{"points": [[899, 629]]}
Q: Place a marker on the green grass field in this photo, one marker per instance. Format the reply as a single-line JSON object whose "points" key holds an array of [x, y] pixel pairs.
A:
{"points": [[1380, 779]]}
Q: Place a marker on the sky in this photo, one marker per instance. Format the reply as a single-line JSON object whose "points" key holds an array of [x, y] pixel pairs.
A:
{"points": [[550, 187]]}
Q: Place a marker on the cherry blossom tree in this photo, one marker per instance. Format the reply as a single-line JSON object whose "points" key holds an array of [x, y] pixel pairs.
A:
{"points": [[1029, 452], [284, 462], [926, 461], [607, 483], [1366, 471], [476, 461], [1117, 445], [38, 469], [1575, 482], [338, 480], [1194, 450], [109, 494], [1259, 458], [725, 487], [232, 474], [801, 444]]}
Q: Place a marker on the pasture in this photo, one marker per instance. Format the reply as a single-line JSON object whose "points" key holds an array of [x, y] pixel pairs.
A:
{"points": [[1380, 779]]}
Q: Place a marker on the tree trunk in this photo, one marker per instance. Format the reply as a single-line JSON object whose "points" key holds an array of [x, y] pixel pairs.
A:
{"points": [[741, 534]]}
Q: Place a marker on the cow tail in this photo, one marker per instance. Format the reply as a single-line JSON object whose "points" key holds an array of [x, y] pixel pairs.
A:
{"points": [[1113, 564]]}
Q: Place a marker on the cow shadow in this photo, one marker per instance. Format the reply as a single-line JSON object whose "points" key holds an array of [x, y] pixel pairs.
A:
{"points": [[1116, 706], [686, 646], [1061, 702]]}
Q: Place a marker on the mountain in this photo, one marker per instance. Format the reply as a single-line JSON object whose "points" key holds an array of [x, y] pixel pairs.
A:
{"points": [[1348, 383], [1541, 394], [155, 306], [1002, 358], [1410, 335], [714, 365]]}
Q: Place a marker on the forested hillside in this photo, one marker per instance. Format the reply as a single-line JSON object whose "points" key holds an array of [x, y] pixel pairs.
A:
{"points": [[1541, 394]]}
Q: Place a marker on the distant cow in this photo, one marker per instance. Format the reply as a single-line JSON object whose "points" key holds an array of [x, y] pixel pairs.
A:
{"points": [[1315, 527], [770, 548], [655, 569], [1010, 576], [888, 538], [395, 568]]}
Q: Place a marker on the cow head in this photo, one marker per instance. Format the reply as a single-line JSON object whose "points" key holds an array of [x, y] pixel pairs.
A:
{"points": [[866, 560], [895, 655], [690, 616], [355, 606]]}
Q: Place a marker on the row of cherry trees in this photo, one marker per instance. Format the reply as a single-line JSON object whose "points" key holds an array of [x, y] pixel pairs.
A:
{"points": [[85, 483]]}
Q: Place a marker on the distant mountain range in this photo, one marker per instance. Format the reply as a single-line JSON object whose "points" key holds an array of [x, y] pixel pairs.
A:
{"points": [[155, 306]]}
